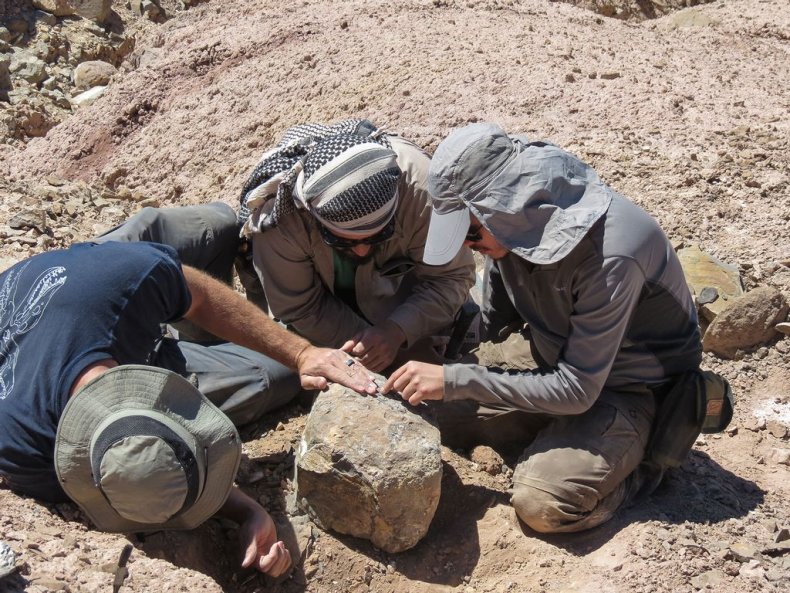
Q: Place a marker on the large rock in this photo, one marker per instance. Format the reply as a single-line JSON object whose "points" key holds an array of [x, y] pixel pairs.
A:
{"points": [[96, 10], [369, 467], [93, 73], [746, 322]]}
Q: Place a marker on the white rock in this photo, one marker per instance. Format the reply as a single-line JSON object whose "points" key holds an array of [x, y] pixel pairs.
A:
{"points": [[88, 97], [7, 560]]}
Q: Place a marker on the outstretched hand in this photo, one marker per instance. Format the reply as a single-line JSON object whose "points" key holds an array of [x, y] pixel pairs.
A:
{"points": [[417, 382], [318, 366], [262, 550]]}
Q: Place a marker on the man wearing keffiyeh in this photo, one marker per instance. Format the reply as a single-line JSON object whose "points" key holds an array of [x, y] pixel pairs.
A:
{"points": [[337, 217]]}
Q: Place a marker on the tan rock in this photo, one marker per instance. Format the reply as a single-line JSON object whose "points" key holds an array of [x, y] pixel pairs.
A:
{"points": [[93, 73], [702, 271], [96, 10], [746, 322]]}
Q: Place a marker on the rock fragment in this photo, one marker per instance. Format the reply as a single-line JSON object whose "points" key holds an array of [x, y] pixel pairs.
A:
{"points": [[746, 322], [96, 10], [7, 560], [369, 467], [88, 97], [705, 273], [489, 460], [93, 73]]}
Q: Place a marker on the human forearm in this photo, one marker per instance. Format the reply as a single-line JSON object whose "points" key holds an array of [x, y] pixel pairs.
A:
{"points": [[436, 298], [558, 392], [220, 310], [227, 314]]}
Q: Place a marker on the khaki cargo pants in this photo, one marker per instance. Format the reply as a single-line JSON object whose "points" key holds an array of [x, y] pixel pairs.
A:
{"points": [[574, 472]]}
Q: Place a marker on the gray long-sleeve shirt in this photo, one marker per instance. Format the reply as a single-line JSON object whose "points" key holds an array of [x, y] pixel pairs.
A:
{"points": [[615, 311]]}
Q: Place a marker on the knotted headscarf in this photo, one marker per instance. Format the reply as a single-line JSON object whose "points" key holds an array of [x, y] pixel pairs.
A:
{"points": [[346, 175]]}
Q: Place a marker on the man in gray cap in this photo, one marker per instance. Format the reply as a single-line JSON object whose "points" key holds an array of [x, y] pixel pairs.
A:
{"points": [[611, 322], [95, 404]]}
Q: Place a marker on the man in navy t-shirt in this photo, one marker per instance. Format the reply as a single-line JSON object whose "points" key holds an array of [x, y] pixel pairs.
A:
{"points": [[68, 316]]}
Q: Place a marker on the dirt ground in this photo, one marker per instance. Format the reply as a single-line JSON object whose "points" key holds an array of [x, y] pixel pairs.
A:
{"points": [[687, 114]]}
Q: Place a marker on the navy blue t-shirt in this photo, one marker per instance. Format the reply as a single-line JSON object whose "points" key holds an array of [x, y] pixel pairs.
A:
{"points": [[60, 312]]}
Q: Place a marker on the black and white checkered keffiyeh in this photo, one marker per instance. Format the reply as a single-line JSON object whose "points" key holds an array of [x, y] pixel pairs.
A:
{"points": [[349, 192]]}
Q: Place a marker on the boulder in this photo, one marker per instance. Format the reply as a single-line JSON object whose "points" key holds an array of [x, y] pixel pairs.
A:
{"points": [[95, 10], [93, 73], [746, 322], [716, 282], [147, 8], [369, 467], [28, 67]]}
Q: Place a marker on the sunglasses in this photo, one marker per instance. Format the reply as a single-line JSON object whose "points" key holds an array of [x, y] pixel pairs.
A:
{"points": [[342, 243], [474, 235]]}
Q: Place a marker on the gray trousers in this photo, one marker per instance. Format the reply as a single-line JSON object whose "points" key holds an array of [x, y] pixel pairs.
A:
{"points": [[241, 382], [574, 472]]}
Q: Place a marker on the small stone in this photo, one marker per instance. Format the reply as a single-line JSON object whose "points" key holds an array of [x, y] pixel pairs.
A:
{"points": [[610, 75], [743, 551], [487, 459], [707, 295], [29, 219], [752, 570], [782, 535], [88, 97], [93, 73], [783, 327], [7, 560], [745, 322], [777, 429], [780, 456], [709, 579]]}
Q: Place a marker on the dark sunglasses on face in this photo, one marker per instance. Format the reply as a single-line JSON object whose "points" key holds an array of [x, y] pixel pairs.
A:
{"points": [[343, 243], [474, 235]]}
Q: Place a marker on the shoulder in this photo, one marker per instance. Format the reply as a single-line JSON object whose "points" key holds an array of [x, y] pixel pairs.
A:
{"points": [[412, 160]]}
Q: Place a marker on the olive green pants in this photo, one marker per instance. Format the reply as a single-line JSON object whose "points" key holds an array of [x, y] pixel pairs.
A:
{"points": [[574, 472]]}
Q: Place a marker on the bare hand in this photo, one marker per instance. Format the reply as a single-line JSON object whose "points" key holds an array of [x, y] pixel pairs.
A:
{"points": [[417, 382], [377, 346], [318, 366], [258, 537]]}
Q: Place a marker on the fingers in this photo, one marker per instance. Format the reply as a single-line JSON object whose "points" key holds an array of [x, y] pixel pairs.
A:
{"points": [[249, 554], [277, 561], [348, 371], [311, 382], [349, 345], [390, 384]]}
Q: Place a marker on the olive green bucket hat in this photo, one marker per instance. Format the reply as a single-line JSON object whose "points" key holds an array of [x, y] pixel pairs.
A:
{"points": [[141, 449]]}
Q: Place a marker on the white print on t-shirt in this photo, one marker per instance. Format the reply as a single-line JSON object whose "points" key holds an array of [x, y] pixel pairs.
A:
{"points": [[15, 321]]}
